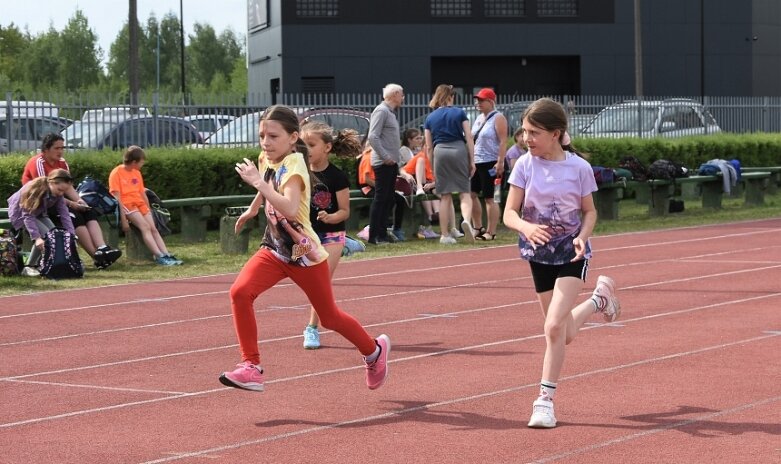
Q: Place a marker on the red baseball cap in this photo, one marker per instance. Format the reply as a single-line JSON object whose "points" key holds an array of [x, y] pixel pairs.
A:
{"points": [[486, 94]]}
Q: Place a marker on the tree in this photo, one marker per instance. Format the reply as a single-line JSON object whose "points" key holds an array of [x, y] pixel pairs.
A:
{"points": [[43, 61], [13, 49], [79, 55], [210, 56]]}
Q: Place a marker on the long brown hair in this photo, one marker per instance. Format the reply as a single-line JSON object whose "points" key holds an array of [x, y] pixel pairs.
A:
{"points": [[550, 115], [37, 188], [441, 96], [344, 143]]}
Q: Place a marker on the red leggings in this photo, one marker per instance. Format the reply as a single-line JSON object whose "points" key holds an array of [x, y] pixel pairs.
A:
{"points": [[263, 271]]}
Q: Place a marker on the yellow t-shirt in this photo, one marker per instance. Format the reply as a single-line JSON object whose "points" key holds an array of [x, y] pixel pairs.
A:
{"points": [[293, 241]]}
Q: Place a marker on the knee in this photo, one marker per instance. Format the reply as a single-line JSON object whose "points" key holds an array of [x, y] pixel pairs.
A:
{"points": [[555, 330], [241, 294]]}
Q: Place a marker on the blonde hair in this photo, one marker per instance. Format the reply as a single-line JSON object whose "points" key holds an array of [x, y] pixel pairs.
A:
{"points": [[441, 95], [37, 188]]}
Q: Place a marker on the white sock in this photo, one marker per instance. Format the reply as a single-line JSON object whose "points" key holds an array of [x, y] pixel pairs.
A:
{"points": [[599, 303], [547, 390], [373, 357]]}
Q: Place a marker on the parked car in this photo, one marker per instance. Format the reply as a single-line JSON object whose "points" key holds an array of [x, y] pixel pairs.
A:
{"points": [[144, 131], [207, 124], [676, 117], [27, 132], [243, 131], [114, 113]]}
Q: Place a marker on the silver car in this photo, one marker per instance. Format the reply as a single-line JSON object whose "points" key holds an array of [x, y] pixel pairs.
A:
{"points": [[676, 117], [24, 133]]}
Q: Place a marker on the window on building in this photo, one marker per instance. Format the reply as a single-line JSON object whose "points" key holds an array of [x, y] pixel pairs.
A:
{"points": [[440, 8], [557, 7], [503, 8], [317, 8], [257, 15]]}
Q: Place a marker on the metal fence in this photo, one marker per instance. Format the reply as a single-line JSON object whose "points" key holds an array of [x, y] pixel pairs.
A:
{"points": [[90, 115]]}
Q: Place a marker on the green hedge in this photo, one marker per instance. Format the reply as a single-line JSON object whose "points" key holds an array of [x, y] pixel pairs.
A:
{"points": [[183, 173]]}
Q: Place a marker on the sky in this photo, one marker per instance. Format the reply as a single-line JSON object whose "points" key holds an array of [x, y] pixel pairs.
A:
{"points": [[106, 17]]}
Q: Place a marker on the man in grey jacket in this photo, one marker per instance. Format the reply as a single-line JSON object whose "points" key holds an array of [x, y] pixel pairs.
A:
{"points": [[385, 142]]}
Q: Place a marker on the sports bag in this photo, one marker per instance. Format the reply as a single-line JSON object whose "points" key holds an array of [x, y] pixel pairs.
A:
{"points": [[97, 196], [161, 215], [10, 257], [603, 175], [666, 169], [635, 166], [60, 255]]}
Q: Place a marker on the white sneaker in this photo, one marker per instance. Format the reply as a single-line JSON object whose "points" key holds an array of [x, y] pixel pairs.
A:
{"points": [[447, 240], [605, 291], [469, 232], [455, 233], [542, 415], [30, 271]]}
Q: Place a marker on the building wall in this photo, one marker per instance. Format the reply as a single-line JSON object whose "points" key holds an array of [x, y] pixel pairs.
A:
{"points": [[592, 53]]}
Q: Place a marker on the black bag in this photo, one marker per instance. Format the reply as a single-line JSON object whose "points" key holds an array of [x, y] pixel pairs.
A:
{"points": [[161, 215], [60, 256], [635, 166], [97, 196], [666, 169]]}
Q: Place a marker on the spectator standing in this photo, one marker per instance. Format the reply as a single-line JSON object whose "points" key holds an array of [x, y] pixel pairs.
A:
{"points": [[85, 221], [450, 146], [385, 142], [490, 133]]}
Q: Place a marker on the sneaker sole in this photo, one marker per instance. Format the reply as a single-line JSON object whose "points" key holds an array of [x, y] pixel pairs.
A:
{"points": [[469, 232], [312, 347], [243, 386], [540, 425]]}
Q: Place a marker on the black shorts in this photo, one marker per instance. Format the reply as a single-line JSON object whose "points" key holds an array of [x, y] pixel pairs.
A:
{"points": [[483, 181], [77, 217], [545, 275]]}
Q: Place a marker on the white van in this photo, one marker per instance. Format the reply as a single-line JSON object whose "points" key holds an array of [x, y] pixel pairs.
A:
{"points": [[29, 108]]}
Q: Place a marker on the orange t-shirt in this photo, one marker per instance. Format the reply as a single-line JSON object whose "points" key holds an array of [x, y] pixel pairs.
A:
{"points": [[129, 184], [365, 171], [412, 164]]}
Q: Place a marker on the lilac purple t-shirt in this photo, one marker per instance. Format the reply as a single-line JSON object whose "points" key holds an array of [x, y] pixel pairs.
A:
{"points": [[552, 196]]}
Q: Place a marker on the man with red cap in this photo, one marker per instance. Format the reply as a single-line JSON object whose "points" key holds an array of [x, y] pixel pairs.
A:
{"points": [[490, 133]]}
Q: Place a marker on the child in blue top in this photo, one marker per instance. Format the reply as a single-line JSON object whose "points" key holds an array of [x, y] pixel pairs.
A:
{"points": [[551, 206]]}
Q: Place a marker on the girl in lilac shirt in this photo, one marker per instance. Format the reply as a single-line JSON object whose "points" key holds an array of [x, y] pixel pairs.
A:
{"points": [[551, 206]]}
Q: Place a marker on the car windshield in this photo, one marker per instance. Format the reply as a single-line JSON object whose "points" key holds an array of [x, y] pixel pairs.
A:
{"points": [[622, 119], [243, 130], [82, 134]]}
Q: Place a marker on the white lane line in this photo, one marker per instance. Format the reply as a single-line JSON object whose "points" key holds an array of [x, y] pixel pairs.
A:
{"points": [[465, 399], [655, 430], [96, 387]]}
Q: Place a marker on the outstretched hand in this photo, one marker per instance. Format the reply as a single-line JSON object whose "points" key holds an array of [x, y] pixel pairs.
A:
{"points": [[249, 172]]}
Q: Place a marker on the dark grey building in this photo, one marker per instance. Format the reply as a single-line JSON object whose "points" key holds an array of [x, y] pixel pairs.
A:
{"points": [[531, 47]]}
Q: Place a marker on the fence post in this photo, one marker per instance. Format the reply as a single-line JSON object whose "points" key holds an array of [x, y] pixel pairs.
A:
{"points": [[9, 111]]}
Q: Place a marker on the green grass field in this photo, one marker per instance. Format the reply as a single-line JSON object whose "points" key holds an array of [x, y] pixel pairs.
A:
{"points": [[207, 259]]}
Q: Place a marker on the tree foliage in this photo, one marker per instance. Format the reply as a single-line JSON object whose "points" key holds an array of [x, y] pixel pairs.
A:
{"points": [[71, 59]]}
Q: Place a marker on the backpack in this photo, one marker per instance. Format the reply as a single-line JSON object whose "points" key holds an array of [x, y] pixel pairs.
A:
{"points": [[603, 175], [161, 215], [666, 169], [97, 196], [60, 256], [635, 166], [708, 169], [10, 258]]}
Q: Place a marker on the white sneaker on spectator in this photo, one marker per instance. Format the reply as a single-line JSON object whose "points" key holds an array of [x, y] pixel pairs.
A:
{"points": [[455, 233], [447, 240]]}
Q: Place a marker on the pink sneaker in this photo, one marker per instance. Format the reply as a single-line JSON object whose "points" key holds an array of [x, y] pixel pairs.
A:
{"points": [[246, 375], [364, 234], [605, 293], [377, 371]]}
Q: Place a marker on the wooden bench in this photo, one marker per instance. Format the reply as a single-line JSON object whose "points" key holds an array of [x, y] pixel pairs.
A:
{"points": [[194, 212], [608, 196], [360, 207]]}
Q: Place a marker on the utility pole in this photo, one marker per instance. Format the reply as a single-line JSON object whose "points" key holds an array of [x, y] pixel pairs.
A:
{"points": [[132, 25], [639, 68], [181, 42]]}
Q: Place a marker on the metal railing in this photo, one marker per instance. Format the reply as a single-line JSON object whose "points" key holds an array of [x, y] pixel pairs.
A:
{"points": [[24, 122]]}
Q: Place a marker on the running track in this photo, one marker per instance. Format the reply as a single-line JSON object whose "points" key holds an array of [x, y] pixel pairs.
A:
{"points": [[689, 374]]}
